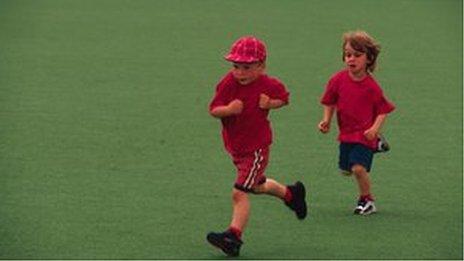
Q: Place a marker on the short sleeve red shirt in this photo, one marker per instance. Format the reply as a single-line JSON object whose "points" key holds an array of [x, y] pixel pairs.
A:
{"points": [[358, 103], [251, 129]]}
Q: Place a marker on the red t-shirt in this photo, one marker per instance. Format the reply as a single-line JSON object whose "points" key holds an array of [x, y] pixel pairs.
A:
{"points": [[357, 104], [249, 130]]}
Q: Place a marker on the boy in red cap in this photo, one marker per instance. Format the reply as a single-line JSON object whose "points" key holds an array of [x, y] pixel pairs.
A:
{"points": [[242, 102], [361, 111]]}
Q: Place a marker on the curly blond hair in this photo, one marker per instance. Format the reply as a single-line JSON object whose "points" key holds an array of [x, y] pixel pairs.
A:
{"points": [[362, 42]]}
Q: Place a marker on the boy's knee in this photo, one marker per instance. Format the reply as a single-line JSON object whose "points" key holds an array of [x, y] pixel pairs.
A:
{"points": [[238, 195], [358, 170]]}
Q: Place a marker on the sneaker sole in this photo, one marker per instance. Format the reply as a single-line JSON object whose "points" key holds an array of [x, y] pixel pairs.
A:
{"points": [[369, 211], [303, 192], [218, 244]]}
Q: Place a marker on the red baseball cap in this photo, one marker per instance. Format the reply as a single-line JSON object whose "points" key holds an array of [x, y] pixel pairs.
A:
{"points": [[247, 49]]}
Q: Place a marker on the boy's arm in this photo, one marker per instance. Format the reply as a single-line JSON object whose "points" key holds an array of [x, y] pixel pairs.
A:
{"points": [[265, 102], [324, 124], [373, 131], [233, 108]]}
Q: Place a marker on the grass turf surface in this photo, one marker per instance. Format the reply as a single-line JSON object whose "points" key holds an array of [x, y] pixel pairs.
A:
{"points": [[107, 150]]}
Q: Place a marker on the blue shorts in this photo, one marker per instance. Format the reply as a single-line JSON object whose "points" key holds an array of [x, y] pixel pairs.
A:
{"points": [[354, 153]]}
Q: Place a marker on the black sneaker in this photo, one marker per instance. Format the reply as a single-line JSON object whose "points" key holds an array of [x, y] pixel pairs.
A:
{"points": [[365, 207], [298, 202], [226, 241], [382, 144]]}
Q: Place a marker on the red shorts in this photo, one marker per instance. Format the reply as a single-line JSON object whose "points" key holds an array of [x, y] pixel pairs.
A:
{"points": [[250, 169]]}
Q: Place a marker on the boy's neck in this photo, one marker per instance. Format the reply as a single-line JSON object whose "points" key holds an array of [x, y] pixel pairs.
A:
{"points": [[359, 76]]}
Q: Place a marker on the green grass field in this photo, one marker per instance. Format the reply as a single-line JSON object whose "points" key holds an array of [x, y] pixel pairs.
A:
{"points": [[107, 150]]}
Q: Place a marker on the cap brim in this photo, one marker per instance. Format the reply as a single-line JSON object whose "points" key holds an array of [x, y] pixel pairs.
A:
{"points": [[238, 59]]}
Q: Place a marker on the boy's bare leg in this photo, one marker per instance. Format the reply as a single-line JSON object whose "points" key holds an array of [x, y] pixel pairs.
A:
{"points": [[366, 201], [229, 241], [241, 209], [362, 177], [271, 187], [293, 196]]}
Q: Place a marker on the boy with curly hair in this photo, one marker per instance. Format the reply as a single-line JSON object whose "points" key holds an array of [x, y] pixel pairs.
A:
{"points": [[361, 111]]}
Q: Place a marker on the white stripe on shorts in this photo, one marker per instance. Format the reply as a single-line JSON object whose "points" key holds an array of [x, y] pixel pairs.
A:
{"points": [[254, 170]]}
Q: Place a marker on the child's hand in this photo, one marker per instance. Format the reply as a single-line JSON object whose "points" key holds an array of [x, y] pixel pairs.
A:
{"points": [[236, 106], [264, 101], [371, 133], [324, 126]]}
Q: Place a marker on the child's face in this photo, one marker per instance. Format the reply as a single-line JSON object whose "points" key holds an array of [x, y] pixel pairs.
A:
{"points": [[355, 61], [246, 73]]}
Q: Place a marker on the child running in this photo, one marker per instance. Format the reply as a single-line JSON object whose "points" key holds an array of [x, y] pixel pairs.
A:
{"points": [[361, 111], [242, 102]]}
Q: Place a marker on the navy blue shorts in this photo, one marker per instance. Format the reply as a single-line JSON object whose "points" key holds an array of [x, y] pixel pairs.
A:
{"points": [[354, 153]]}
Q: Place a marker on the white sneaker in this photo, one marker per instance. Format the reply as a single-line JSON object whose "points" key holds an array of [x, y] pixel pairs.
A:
{"points": [[382, 144], [365, 208]]}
